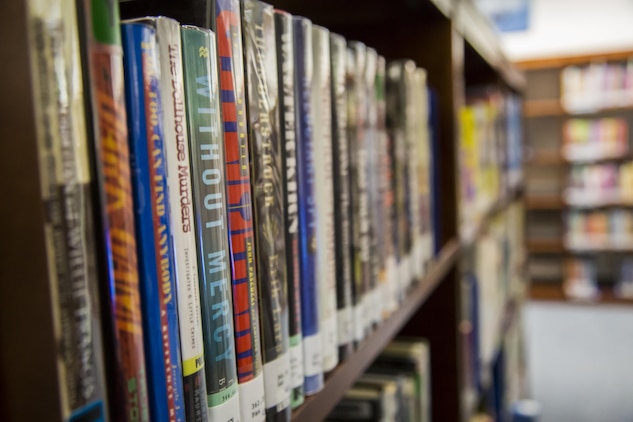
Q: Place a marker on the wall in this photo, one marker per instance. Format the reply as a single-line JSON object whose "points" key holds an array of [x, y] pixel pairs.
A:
{"points": [[572, 27]]}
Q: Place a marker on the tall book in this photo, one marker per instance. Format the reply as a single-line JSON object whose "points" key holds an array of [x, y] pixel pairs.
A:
{"points": [[425, 170], [153, 231], [321, 110], [268, 202], [240, 218], [66, 188], [206, 149], [412, 119], [357, 53], [342, 223], [183, 239], [377, 280], [107, 123], [397, 138], [312, 351], [385, 200], [288, 137]]}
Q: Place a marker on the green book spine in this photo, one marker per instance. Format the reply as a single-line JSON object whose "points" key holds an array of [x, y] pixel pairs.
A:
{"points": [[206, 148]]}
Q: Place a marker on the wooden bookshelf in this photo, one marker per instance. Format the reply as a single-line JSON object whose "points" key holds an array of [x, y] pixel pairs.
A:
{"points": [[447, 37], [553, 292], [317, 407]]}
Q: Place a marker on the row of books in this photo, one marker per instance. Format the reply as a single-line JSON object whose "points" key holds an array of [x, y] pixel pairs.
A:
{"points": [[261, 194], [581, 279], [597, 229], [596, 86], [491, 279], [396, 387], [489, 153], [596, 184], [594, 139]]}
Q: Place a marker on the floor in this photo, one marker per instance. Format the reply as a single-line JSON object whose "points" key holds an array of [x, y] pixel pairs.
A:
{"points": [[580, 361]]}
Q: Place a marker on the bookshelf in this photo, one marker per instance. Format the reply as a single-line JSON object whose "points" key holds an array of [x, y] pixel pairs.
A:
{"points": [[549, 113], [449, 38]]}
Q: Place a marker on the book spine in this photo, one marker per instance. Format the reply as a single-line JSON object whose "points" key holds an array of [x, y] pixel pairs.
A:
{"points": [[270, 242], [107, 122], [240, 218], [182, 224], [412, 166], [153, 232], [206, 148], [288, 134], [385, 161], [376, 258], [342, 224], [312, 353], [321, 109], [66, 190], [425, 170], [395, 127], [360, 199]]}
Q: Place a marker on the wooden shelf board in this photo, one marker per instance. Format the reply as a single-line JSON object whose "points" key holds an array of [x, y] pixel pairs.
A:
{"points": [[554, 292], [545, 245], [317, 407], [551, 202], [553, 107], [557, 62], [545, 158]]}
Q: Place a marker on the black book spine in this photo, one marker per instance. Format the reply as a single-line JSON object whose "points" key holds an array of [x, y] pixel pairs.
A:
{"points": [[341, 177], [266, 177], [284, 38]]}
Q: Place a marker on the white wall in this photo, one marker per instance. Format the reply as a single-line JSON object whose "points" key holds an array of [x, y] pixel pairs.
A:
{"points": [[572, 27]]}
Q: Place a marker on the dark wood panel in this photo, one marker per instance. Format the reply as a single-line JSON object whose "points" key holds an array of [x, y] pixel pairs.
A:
{"points": [[28, 377]]}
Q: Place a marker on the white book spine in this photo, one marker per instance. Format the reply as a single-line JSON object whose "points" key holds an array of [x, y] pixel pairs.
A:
{"points": [[326, 258]]}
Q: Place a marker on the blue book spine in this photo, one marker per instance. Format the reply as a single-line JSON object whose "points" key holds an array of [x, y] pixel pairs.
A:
{"points": [[151, 209], [313, 357]]}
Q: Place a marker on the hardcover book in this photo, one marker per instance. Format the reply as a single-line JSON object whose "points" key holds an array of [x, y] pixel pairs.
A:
{"points": [[268, 197], [206, 148], [102, 68], [66, 193], [321, 110], [284, 38], [240, 209], [342, 210], [357, 116], [181, 205], [312, 349], [153, 231]]}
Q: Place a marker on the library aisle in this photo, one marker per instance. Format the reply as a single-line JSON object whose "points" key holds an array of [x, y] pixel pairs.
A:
{"points": [[579, 361]]}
